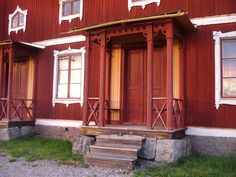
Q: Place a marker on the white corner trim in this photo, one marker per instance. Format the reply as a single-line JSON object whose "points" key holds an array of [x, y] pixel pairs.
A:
{"points": [[217, 36], [57, 54], [212, 132], [212, 20], [142, 3], [18, 10], [63, 40], [69, 17]]}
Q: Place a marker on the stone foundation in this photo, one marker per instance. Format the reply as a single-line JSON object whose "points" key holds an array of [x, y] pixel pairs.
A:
{"points": [[81, 144], [213, 145], [165, 151], [58, 132], [16, 132]]}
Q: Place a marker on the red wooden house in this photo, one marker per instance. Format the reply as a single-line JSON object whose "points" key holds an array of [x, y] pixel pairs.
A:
{"points": [[146, 67]]}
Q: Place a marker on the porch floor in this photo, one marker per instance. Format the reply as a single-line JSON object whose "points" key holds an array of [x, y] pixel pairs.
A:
{"points": [[133, 130], [4, 123]]}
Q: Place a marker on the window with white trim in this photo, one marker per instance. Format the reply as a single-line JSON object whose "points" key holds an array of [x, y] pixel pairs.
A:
{"points": [[142, 3], [68, 80], [225, 68], [70, 9], [17, 20]]}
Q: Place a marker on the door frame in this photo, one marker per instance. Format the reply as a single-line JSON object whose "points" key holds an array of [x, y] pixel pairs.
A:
{"points": [[125, 49]]}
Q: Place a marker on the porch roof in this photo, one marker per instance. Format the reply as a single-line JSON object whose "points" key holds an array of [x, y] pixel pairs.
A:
{"points": [[21, 43], [178, 16]]}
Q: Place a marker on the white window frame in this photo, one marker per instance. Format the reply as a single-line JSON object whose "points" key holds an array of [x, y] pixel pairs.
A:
{"points": [[69, 17], [142, 3], [57, 55], [217, 36], [24, 13]]}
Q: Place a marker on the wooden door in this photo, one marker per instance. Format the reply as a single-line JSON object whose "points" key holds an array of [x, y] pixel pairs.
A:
{"points": [[135, 87]]}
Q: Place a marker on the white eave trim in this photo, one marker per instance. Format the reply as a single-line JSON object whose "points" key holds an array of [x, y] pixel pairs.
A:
{"points": [[142, 3], [59, 41], [213, 20], [211, 132], [32, 45]]}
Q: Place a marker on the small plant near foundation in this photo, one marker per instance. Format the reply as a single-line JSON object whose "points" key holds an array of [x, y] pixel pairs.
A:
{"points": [[194, 166], [37, 148]]}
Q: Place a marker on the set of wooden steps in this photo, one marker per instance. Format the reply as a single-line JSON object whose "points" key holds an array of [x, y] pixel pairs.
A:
{"points": [[114, 151]]}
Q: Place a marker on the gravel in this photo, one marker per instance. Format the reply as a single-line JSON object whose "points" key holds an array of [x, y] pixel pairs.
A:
{"points": [[44, 168]]}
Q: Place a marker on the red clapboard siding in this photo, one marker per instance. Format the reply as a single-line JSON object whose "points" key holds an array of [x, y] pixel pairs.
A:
{"points": [[43, 15], [200, 80], [44, 85]]}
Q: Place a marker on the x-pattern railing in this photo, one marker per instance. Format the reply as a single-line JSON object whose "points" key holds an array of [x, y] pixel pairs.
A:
{"points": [[159, 108], [20, 108], [93, 105]]}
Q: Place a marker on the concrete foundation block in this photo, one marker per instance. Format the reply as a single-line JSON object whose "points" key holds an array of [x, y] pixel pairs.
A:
{"points": [[81, 144], [213, 145], [9, 133], [27, 131], [148, 150], [169, 151]]}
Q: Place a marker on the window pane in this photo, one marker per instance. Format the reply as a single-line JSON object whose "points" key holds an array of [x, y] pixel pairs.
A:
{"points": [[63, 77], [64, 63], [229, 48], [229, 87], [62, 91], [21, 20], [75, 76], [15, 21], [76, 7], [76, 62], [67, 9], [229, 68], [75, 90]]}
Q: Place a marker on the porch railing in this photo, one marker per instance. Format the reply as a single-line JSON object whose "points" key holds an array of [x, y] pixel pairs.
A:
{"points": [[19, 109], [160, 112]]}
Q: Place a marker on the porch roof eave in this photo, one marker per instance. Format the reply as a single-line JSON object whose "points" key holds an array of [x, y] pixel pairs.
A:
{"points": [[25, 44], [179, 16]]}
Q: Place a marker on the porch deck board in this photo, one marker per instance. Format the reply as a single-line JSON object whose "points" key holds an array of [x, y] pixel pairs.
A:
{"points": [[133, 130]]}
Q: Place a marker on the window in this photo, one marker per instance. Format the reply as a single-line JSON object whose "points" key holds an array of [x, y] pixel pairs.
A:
{"points": [[142, 3], [68, 76], [70, 9], [17, 20], [225, 68]]}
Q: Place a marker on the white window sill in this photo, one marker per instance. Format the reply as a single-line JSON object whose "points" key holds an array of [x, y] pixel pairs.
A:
{"points": [[67, 102]]}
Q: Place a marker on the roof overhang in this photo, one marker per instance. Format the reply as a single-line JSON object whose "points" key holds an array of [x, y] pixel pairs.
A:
{"points": [[21, 43], [179, 17], [21, 50]]}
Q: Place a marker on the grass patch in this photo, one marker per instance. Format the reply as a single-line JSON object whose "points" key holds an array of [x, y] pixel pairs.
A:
{"points": [[37, 148], [195, 166]]}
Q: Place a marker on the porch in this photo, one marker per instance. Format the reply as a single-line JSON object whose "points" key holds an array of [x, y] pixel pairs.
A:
{"points": [[141, 76], [17, 72]]}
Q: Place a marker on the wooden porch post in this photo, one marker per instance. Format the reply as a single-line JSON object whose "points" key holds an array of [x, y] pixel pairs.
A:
{"points": [[9, 88], [86, 80], [149, 75], [169, 39], [102, 80], [1, 71], [107, 89]]}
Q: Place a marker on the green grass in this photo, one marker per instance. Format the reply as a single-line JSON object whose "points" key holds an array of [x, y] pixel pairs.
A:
{"points": [[37, 148], [194, 166]]}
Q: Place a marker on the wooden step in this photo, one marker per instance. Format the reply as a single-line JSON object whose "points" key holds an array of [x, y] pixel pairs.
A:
{"points": [[129, 140], [123, 152], [3, 124], [110, 162]]}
